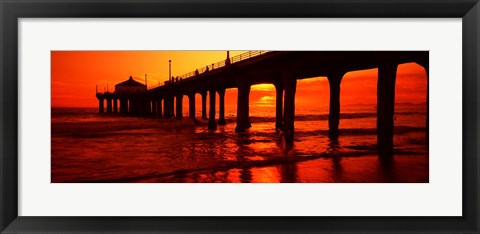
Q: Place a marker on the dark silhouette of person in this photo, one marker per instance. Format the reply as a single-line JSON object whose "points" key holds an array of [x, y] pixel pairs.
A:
{"points": [[196, 72], [176, 79], [206, 70]]}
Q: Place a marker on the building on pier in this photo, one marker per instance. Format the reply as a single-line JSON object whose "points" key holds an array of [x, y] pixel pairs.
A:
{"points": [[130, 94], [130, 86]]}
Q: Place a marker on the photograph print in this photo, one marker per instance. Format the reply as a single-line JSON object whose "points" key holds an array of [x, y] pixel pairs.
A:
{"points": [[239, 117]]}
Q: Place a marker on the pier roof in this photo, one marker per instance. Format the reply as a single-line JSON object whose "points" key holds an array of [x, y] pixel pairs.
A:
{"points": [[130, 83]]}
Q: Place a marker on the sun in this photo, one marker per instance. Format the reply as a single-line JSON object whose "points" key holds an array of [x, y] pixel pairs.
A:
{"points": [[267, 99], [263, 87]]}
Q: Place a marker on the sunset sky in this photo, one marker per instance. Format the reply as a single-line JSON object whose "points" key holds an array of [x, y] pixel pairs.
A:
{"points": [[75, 75]]}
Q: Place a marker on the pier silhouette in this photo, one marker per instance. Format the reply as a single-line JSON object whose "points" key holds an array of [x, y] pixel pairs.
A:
{"points": [[280, 68]]}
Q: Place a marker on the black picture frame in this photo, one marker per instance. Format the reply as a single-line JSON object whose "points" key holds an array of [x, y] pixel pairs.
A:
{"points": [[11, 11]]}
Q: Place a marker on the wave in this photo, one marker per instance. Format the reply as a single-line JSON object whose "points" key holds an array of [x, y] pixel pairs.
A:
{"points": [[359, 115], [72, 111], [359, 131], [254, 115]]}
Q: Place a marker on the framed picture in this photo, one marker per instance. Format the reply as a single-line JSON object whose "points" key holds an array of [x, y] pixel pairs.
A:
{"points": [[224, 116]]}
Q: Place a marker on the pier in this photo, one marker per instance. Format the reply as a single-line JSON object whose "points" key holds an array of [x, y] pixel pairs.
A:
{"points": [[280, 68]]}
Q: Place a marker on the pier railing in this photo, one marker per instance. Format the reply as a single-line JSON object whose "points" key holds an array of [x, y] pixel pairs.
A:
{"points": [[217, 65]]}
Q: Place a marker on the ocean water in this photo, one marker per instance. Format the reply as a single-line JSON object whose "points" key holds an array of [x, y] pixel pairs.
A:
{"points": [[90, 147]]}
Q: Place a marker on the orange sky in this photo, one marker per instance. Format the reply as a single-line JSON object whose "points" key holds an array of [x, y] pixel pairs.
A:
{"points": [[76, 73]]}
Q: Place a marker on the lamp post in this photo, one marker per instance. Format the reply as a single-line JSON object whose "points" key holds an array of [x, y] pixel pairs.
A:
{"points": [[227, 61], [170, 70]]}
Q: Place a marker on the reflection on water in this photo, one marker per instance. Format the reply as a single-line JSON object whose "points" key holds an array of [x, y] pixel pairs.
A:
{"points": [[88, 147], [365, 169]]}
